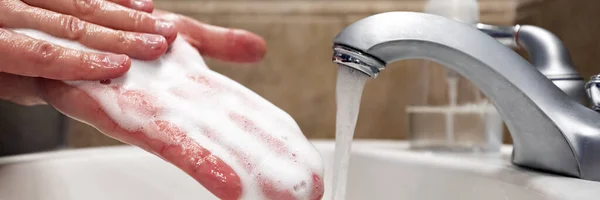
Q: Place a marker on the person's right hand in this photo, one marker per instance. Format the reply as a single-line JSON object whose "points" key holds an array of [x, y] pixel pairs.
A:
{"points": [[105, 25]]}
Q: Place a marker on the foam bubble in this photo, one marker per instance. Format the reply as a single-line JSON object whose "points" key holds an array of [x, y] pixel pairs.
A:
{"points": [[180, 89]]}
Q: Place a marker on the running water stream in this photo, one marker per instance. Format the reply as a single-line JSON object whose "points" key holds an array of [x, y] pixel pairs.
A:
{"points": [[349, 89]]}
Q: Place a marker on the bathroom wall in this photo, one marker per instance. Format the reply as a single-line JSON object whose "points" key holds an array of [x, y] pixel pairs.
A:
{"points": [[298, 76]]}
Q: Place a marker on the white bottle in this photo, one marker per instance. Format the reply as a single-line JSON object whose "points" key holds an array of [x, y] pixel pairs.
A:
{"points": [[465, 11]]}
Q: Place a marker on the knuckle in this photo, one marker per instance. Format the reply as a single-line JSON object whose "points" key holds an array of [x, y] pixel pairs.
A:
{"points": [[74, 28], [86, 7], [123, 38], [138, 18], [79, 67], [9, 9], [84, 62], [43, 53]]}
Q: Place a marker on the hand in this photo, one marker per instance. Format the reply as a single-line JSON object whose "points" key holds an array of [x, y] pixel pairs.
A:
{"points": [[225, 44], [98, 24], [229, 139], [140, 116], [17, 84]]}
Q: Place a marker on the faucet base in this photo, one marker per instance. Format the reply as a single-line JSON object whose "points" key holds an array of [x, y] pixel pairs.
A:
{"points": [[551, 130]]}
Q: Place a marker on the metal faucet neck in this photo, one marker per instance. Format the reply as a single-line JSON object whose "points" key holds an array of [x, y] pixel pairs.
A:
{"points": [[551, 131]]}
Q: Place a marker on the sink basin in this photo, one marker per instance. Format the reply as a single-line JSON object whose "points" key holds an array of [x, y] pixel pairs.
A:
{"points": [[379, 170]]}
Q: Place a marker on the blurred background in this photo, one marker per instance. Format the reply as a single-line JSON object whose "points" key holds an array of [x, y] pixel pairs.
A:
{"points": [[298, 76]]}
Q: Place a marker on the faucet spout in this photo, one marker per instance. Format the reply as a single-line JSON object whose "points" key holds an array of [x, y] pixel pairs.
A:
{"points": [[551, 131]]}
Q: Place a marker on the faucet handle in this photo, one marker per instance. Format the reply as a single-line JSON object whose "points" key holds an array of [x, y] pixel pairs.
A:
{"points": [[592, 88], [504, 34]]}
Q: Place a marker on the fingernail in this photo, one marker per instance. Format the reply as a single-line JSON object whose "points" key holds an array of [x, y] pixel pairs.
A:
{"points": [[140, 4], [153, 41], [115, 61], [164, 27]]}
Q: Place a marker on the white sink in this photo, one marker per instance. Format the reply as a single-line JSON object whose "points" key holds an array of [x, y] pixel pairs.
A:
{"points": [[380, 170]]}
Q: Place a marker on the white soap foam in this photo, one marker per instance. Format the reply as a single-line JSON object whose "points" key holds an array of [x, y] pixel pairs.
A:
{"points": [[208, 106]]}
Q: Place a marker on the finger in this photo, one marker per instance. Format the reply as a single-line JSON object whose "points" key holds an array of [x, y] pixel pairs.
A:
{"points": [[137, 45], [19, 89], [110, 15], [162, 139], [141, 5], [226, 44], [26, 56]]}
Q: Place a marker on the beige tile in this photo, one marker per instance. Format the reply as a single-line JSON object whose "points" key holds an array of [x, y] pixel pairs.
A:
{"points": [[297, 74]]}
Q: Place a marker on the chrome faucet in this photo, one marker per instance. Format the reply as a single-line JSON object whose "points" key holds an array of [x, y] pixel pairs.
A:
{"points": [[546, 53], [551, 131]]}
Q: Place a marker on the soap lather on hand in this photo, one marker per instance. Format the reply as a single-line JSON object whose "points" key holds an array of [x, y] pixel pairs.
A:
{"points": [[232, 141], [235, 143]]}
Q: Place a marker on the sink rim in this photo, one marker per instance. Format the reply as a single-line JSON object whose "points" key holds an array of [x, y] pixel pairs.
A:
{"points": [[495, 167], [90, 151]]}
